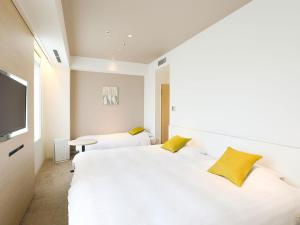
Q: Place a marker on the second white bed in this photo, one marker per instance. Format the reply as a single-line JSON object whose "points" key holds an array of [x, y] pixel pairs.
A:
{"points": [[150, 186], [116, 140]]}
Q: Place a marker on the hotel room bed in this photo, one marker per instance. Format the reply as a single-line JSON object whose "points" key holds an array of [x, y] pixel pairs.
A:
{"points": [[149, 186], [115, 140]]}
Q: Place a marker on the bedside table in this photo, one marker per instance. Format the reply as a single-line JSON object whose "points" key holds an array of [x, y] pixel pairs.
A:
{"points": [[82, 143]]}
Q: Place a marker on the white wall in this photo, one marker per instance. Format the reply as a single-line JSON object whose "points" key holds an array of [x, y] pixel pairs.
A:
{"points": [[39, 151], [56, 105], [149, 95], [240, 77], [39, 155], [55, 112]]}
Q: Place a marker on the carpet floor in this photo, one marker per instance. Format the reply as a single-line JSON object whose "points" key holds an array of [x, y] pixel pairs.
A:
{"points": [[50, 204]]}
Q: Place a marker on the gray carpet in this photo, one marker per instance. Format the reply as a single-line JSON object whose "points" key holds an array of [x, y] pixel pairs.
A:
{"points": [[50, 205]]}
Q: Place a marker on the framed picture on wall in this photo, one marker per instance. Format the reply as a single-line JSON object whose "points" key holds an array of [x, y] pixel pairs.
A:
{"points": [[110, 95]]}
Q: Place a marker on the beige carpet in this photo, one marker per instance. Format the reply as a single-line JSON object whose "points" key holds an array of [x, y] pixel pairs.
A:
{"points": [[50, 205]]}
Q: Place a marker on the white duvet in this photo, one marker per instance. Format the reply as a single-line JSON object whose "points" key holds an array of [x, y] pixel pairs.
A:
{"points": [[108, 141], [150, 186]]}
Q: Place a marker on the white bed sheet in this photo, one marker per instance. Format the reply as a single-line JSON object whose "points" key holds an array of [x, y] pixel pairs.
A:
{"points": [[150, 186], [116, 140]]}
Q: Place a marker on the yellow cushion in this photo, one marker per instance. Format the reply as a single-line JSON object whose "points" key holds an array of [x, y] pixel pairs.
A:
{"points": [[136, 130], [234, 165], [175, 143]]}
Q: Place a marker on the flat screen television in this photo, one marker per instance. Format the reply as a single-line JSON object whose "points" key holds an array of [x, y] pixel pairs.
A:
{"points": [[13, 104]]}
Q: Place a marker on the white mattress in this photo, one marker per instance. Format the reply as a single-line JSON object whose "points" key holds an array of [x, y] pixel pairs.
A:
{"points": [[116, 140], [150, 186]]}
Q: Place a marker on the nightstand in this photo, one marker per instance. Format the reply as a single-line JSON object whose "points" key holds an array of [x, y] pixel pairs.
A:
{"points": [[82, 143]]}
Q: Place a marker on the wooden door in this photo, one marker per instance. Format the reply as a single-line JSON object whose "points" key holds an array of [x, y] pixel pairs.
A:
{"points": [[165, 112]]}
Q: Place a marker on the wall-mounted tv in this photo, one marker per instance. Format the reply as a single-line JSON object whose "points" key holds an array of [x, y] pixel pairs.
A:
{"points": [[13, 104]]}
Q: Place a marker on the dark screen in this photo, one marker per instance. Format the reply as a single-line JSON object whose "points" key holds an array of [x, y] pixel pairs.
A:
{"points": [[12, 105]]}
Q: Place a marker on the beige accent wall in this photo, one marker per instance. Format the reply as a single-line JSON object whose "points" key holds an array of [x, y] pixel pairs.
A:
{"points": [[90, 116], [16, 172]]}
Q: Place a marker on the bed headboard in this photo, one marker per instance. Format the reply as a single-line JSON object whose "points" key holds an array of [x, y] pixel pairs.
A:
{"points": [[283, 159]]}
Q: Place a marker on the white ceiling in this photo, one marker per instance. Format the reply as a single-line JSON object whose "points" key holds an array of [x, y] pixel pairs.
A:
{"points": [[157, 26]]}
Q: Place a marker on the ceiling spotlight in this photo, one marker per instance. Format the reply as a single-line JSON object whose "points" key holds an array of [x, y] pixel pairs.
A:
{"points": [[107, 32], [130, 35]]}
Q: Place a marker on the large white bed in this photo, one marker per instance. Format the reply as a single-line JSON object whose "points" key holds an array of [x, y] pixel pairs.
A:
{"points": [[115, 140], [147, 185]]}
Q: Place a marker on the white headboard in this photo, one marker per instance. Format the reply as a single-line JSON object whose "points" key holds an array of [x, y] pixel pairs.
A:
{"points": [[283, 159]]}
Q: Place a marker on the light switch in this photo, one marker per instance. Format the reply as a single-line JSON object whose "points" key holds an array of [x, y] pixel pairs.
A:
{"points": [[173, 108]]}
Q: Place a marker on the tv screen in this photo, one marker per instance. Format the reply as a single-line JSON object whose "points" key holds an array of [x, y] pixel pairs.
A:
{"points": [[12, 103]]}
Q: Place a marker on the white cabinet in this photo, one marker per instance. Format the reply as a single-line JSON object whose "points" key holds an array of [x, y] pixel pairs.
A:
{"points": [[61, 150]]}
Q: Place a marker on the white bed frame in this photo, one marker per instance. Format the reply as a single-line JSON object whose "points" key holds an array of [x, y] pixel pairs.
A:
{"points": [[283, 159]]}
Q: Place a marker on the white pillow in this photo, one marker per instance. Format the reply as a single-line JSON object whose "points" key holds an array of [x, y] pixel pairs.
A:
{"points": [[153, 139]]}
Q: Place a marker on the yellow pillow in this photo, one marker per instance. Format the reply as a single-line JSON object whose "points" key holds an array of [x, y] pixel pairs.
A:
{"points": [[234, 165], [136, 130], [175, 143]]}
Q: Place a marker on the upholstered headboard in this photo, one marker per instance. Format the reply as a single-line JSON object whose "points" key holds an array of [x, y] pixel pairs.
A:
{"points": [[283, 159]]}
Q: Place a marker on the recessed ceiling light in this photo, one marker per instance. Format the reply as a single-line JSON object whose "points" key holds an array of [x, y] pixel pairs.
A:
{"points": [[130, 35], [107, 32]]}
